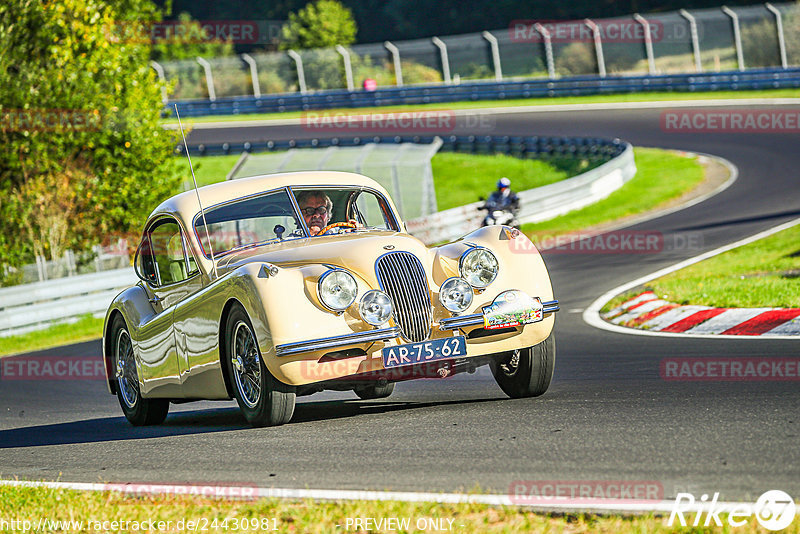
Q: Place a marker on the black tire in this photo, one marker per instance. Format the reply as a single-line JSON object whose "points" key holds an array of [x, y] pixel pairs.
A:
{"points": [[526, 372], [374, 391], [264, 400], [138, 411]]}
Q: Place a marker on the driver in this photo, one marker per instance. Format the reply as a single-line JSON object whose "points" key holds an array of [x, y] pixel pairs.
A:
{"points": [[316, 208]]}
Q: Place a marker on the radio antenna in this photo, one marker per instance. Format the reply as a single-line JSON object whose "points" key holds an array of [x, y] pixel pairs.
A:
{"points": [[197, 192]]}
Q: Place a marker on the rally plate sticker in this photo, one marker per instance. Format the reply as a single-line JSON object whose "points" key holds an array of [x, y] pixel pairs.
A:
{"points": [[512, 308]]}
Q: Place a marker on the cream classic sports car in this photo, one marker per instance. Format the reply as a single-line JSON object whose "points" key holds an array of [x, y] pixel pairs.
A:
{"points": [[289, 284]]}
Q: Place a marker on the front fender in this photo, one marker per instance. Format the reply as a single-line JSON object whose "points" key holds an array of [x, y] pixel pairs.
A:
{"points": [[133, 305]]}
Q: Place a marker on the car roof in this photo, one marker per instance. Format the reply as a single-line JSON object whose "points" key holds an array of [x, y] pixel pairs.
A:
{"points": [[185, 206]]}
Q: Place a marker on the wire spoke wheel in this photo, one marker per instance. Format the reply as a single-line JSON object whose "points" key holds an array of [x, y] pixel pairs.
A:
{"points": [[138, 409], [127, 380], [246, 365]]}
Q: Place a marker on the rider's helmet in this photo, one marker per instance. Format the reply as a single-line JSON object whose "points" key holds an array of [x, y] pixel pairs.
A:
{"points": [[503, 183]]}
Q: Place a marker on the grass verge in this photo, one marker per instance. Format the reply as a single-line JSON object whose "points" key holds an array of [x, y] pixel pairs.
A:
{"points": [[763, 273], [85, 329], [458, 178], [561, 100], [661, 177], [209, 515]]}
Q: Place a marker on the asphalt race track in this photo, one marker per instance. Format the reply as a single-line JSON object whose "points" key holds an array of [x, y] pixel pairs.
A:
{"points": [[607, 416]]}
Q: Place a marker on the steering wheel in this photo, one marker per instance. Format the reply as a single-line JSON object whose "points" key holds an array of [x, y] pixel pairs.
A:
{"points": [[349, 224]]}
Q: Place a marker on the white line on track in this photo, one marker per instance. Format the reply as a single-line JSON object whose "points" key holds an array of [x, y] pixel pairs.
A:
{"points": [[545, 108], [592, 313], [558, 504]]}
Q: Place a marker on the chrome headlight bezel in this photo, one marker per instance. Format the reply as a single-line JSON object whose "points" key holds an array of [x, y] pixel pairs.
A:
{"points": [[467, 292], [321, 289], [471, 279], [363, 303]]}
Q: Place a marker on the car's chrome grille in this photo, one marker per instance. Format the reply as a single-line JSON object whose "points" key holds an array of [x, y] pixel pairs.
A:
{"points": [[402, 277]]}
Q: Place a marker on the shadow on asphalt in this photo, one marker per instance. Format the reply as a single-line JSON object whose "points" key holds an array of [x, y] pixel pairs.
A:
{"points": [[746, 220], [198, 422]]}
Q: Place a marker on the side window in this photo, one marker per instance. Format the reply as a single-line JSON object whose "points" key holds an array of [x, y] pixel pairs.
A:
{"points": [[166, 243], [370, 212]]}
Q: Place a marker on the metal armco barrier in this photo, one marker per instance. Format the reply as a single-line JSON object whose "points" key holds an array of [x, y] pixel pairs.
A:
{"points": [[539, 204], [34, 306], [767, 78]]}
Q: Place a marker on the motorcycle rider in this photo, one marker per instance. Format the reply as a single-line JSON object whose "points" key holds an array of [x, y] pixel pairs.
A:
{"points": [[504, 200]]}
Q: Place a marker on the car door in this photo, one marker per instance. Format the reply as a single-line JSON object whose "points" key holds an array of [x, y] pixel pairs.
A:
{"points": [[171, 277]]}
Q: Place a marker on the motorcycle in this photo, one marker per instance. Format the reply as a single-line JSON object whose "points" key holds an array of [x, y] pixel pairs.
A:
{"points": [[499, 215]]}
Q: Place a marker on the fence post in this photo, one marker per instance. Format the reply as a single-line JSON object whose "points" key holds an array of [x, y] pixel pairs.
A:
{"points": [[548, 49], [212, 95], [779, 27], [160, 71], [445, 60], [498, 69], [253, 74], [398, 197], [348, 67], [301, 75], [398, 68], [598, 47], [737, 36], [41, 267], [362, 156], [648, 42], [698, 64]]}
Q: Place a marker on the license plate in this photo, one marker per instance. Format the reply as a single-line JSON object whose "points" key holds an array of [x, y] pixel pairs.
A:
{"points": [[512, 308], [426, 351]]}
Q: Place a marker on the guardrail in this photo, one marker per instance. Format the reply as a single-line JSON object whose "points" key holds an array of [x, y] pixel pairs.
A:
{"points": [[29, 307], [751, 79], [538, 204]]}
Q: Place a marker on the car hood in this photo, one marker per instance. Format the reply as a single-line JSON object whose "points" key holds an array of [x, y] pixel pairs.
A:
{"points": [[356, 252]]}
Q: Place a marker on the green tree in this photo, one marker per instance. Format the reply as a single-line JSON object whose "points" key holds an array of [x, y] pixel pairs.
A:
{"points": [[186, 39], [321, 24], [84, 156]]}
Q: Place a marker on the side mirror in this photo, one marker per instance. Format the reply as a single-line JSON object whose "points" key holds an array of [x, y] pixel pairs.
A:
{"points": [[143, 264]]}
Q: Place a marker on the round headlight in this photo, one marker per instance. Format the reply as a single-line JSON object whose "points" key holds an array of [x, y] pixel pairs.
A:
{"points": [[455, 294], [375, 307], [337, 290], [479, 267]]}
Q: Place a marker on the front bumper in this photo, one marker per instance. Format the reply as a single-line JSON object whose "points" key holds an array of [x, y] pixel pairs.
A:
{"points": [[385, 334], [454, 323]]}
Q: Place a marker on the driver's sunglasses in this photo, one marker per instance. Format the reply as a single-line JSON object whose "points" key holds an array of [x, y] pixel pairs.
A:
{"points": [[321, 210]]}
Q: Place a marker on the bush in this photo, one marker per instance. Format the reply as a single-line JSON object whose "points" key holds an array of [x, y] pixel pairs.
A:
{"points": [[577, 58], [760, 45], [84, 154]]}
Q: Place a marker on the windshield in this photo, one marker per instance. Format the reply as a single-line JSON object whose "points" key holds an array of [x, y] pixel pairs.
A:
{"points": [[332, 210], [249, 221], [272, 218]]}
